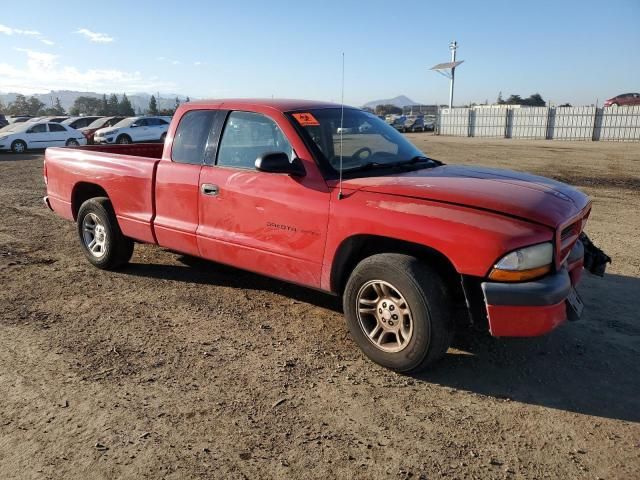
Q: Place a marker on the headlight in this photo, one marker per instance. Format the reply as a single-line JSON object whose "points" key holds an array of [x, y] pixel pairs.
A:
{"points": [[524, 264]]}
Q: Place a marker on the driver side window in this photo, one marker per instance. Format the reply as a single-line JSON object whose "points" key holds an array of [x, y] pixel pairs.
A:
{"points": [[247, 136], [41, 128]]}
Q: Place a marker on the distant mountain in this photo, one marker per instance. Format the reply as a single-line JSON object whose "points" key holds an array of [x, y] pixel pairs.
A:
{"points": [[399, 101], [139, 101]]}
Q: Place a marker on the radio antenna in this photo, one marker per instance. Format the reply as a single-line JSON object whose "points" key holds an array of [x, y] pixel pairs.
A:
{"points": [[340, 195]]}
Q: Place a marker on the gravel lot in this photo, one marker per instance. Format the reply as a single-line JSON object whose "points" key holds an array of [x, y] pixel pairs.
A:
{"points": [[179, 368]]}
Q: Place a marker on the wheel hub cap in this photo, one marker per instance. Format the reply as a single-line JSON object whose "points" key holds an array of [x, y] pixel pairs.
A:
{"points": [[384, 316], [94, 235]]}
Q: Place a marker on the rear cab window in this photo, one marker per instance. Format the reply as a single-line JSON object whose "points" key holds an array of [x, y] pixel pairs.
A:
{"points": [[195, 139]]}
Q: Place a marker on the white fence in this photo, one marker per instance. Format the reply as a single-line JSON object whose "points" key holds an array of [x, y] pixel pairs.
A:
{"points": [[551, 123]]}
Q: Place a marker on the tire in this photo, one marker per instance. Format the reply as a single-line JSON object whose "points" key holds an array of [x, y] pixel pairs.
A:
{"points": [[97, 222], [124, 140], [18, 146], [72, 142], [427, 329]]}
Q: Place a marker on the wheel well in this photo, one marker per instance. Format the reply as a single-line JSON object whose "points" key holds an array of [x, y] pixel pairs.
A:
{"points": [[82, 192], [355, 249]]}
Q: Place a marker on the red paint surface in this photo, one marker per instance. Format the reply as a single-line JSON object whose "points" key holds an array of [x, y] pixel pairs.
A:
{"points": [[510, 321]]}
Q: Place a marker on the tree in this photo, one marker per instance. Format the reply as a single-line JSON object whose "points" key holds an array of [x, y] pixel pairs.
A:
{"points": [[19, 106], [500, 100], [153, 106], [388, 109], [104, 106], [177, 103], [58, 107], [85, 106], [35, 106], [2, 107], [187, 100], [54, 110], [112, 105], [514, 100], [535, 100], [124, 107]]}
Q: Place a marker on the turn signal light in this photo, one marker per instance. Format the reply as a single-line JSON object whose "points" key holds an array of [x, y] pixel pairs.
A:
{"points": [[518, 275]]}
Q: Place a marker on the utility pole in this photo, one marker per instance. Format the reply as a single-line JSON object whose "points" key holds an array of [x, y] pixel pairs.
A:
{"points": [[453, 46]]}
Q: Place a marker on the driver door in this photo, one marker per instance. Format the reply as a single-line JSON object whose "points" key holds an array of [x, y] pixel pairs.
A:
{"points": [[38, 136], [274, 224]]}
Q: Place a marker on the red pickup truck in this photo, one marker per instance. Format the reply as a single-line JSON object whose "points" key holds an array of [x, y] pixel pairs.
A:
{"points": [[333, 198]]}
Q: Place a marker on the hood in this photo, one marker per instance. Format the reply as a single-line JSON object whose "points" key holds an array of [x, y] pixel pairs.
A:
{"points": [[507, 192]]}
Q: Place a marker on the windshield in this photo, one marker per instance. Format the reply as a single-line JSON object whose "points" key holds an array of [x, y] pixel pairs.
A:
{"points": [[366, 140], [125, 123], [99, 123]]}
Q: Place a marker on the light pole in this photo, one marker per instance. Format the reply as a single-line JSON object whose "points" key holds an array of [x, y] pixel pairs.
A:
{"points": [[453, 46], [448, 69]]}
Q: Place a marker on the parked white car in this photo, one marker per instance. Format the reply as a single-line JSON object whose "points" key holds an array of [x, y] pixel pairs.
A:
{"points": [[40, 135], [134, 129]]}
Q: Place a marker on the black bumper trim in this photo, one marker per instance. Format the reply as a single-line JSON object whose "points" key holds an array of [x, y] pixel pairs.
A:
{"points": [[549, 290]]}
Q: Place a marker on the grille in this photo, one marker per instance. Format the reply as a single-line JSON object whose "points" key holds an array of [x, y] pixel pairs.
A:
{"points": [[569, 235], [571, 230]]}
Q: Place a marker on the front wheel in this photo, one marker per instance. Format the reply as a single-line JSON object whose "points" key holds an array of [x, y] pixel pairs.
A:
{"points": [[123, 140], [72, 142], [103, 243], [398, 312], [18, 146]]}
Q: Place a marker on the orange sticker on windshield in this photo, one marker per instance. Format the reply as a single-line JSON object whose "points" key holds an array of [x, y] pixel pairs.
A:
{"points": [[306, 119]]}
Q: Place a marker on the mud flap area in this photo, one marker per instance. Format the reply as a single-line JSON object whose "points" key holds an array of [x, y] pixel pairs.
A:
{"points": [[595, 260]]}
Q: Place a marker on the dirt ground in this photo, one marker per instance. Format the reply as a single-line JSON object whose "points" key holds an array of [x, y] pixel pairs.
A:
{"points": [[179, 368]]}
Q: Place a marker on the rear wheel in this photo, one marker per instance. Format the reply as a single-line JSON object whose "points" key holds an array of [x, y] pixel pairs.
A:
{"points": [[18, 146], [398, 312], [123, 139], [103, 243]]}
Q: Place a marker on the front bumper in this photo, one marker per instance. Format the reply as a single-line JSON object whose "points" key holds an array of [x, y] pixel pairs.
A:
{"points": [[533, 308]]}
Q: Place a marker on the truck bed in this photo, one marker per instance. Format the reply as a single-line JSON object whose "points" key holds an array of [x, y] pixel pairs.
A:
{"points": [[124, 173]]}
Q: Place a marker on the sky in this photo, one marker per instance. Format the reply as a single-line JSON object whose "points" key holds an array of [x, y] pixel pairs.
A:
{"points": [[569, 51]]}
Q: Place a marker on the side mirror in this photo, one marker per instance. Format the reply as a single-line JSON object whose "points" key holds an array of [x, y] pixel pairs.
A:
{"points": [[278, 162]]}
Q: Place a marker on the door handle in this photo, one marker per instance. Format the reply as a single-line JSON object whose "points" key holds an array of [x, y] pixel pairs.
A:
{"points": [[209, 189]]}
